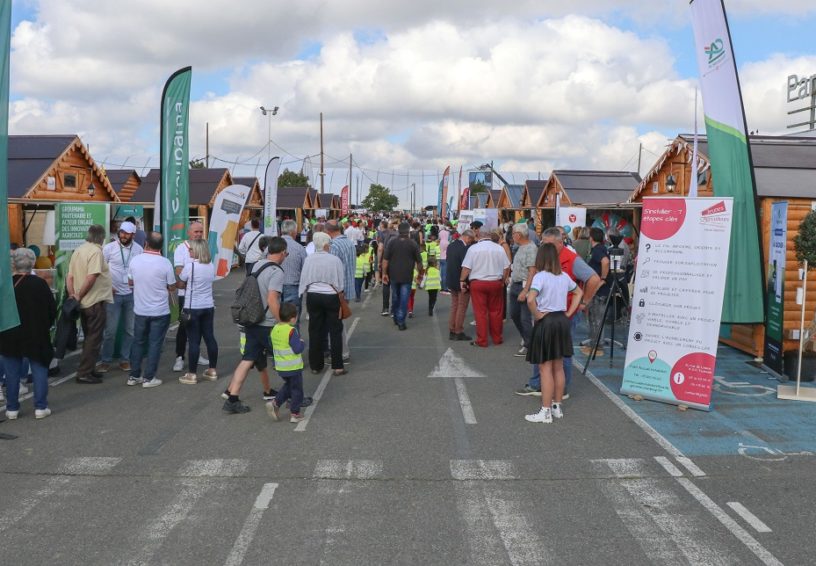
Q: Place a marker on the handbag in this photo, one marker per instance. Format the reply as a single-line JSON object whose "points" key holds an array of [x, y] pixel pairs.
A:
{"points": [[186, 314], [345, 309]]}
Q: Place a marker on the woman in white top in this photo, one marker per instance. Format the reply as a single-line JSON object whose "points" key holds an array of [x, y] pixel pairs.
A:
{"points": [[197, 277], [551, 340]]}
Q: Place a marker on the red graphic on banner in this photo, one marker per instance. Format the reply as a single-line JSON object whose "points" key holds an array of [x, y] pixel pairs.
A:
{"points": [[572, 218], [662, 218], [692, 376], [718, 208]]}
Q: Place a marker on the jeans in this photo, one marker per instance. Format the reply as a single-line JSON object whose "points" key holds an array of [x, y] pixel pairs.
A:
{"points": [[148, 334], [93, 326], [201, 324], [122, 306], [290, 295], [324, 317], [249, 267], [358, 287], [15, 373], [399, 299], [535, 380], [291, 391], [520, 314], [443, 263]]}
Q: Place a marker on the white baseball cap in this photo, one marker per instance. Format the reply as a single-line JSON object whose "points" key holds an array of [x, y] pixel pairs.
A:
{"points": [[128, 227]]}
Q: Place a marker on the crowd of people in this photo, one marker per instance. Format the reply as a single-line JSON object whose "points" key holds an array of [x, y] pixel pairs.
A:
{"points": [[541, 285]]}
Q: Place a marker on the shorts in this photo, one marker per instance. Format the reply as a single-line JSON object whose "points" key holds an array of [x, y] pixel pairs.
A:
{"points": [[258, 345]]}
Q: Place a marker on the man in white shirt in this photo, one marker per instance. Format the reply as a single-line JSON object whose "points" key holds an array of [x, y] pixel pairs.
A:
{"points": [[485, 271], [119, 254], [250, 246], [181, 257], [353, 233], [153, 277]]}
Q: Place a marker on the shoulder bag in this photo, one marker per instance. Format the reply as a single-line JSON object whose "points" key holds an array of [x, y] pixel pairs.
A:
{"points": [[186, 313]]}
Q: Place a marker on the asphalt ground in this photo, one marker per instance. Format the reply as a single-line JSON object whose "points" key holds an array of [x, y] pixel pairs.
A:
{"points": [[391, 467]]}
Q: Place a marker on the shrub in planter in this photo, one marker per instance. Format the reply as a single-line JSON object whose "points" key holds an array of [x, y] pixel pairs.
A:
{"points": [[805, 245]]}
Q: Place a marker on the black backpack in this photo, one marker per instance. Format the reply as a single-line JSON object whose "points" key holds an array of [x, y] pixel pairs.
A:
{"points": [[248, 308]]}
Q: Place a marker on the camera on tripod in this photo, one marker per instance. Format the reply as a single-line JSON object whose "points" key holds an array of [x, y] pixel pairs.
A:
{"points": [[615, 253]]}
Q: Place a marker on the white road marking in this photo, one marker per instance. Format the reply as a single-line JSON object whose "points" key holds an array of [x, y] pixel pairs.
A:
{"points": [[196, 483], [247, 534], [753, 545], [669, 466], [348, 469], [484, 547], [452, 365], [464, 401], [482, 470], [321, 387], [70, 468], [652, 512], [520, 540], [749, 517], [691, 466]]}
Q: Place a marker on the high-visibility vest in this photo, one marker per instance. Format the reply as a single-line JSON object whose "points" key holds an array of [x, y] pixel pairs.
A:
{"points": [[424, 259], [362, 266], [285, 358], [433, 249], [433, 279]]}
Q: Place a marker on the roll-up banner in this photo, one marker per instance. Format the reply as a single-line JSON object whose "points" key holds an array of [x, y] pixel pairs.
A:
{"points": [[175, 159], [271, 197], [224, 225], [775, 291]]}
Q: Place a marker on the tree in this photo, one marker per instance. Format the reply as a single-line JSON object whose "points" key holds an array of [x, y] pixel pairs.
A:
{"points": [[380, 198], [292, 179], [478, 187]]}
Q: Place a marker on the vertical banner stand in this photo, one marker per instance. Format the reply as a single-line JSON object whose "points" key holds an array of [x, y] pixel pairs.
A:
{"points": [[796, 392]]}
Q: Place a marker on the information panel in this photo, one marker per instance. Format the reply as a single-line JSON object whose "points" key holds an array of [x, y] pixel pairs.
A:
{"points": [[677, 304]]}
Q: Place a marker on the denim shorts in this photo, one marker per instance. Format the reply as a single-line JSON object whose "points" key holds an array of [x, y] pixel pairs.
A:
{"points": [[258, 345]]}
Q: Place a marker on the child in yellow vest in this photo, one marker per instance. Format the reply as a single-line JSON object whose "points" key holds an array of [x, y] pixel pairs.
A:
{"points": [[287, 347], [360, 271], [433, 283]]}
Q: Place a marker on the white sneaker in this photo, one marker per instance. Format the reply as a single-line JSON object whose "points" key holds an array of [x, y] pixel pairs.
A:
{"points": [[23, 389], [543, 416], [135, 381], [42, 413], [179, 365], [12, 415], [202, 361], [186, 379], [155, 382], [565, 396], [557, 413]]}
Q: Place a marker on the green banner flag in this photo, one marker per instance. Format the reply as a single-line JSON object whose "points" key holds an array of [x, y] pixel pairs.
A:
{"points": [[175, 159], [730, 158], [9, 318]]}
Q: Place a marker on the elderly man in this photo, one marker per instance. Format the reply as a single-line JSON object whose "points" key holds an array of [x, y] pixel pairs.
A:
{"points": [[523, 271], [388, 232], [119, 254], [580, 272], [343, 248], [485, 270], [292, 265], [401, 258], [181, 257], [460, 298], [89, 282], [249, 247]]}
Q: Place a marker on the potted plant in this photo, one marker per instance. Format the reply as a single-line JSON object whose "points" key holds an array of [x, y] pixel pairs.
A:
{"points": [[805, 245]]}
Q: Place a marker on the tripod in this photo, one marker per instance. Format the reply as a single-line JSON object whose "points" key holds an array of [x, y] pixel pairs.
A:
{"points": [[611, 300]]}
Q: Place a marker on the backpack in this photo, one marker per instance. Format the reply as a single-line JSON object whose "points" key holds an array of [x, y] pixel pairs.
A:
{"points": [[248, 308]]}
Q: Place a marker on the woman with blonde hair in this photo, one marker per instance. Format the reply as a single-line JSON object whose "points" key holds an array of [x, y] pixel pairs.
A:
{"points": [[199, 311]]}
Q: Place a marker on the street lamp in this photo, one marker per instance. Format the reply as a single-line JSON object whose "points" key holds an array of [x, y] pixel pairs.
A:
{"points": [[490, 166], [269, 112]]}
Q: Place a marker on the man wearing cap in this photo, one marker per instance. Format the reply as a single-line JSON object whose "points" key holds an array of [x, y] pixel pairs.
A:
{"points": [[118, 254], [485, 270], [400, 258]]}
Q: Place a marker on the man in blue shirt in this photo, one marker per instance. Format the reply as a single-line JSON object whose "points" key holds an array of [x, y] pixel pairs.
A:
{"points": [[343, 248]]}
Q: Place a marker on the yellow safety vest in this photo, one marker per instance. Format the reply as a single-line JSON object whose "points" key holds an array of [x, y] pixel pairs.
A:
{"points": [[285, 358], [433, 249], [362, 266], [433, 279]]}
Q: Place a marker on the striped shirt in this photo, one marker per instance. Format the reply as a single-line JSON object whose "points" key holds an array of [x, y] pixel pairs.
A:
{"points": [[343, 248], [293, 263]]}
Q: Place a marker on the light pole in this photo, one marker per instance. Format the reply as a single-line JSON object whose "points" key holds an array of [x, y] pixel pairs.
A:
{"points": [[269, 112], [490, 166]]}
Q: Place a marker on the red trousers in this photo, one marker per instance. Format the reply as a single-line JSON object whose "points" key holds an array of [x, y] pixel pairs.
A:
{"points": [[487, 299]]}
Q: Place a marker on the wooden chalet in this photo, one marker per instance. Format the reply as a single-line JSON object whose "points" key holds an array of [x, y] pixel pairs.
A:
{"points": [[45, 170], [125, 182], [533, 190], [481, 200], [509, 203], [328, 201], [785, 170], [294, 202], [255, 201]]}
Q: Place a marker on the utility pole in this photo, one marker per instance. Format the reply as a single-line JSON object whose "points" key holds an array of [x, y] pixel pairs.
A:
{"points": [[413, 197], [207, 145], [640, 154], [350, 177], [322, 172]]}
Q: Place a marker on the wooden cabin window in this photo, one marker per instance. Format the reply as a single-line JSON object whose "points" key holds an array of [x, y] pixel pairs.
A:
{"points": [[69, 181]]}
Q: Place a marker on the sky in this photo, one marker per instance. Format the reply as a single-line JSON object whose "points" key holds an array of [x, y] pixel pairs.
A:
{"points": [[407, 88]]}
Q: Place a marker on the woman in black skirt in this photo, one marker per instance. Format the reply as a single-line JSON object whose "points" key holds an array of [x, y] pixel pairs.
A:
{"points": [[551, 340]]}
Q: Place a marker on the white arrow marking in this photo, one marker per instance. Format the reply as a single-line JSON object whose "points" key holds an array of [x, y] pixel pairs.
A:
{"points": [[451, 365]]}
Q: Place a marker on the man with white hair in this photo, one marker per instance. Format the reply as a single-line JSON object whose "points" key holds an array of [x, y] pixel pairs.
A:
{"points": [[292, 266], [181, 257], [118, 254], [522, 273]]}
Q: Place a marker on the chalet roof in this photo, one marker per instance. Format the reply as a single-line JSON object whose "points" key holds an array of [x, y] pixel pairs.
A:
{"points": [[495, 194], [479, 200], [203, 183], [597, 187], [534, 189], [292, 197], [326, 200], [514, 194], [118, 177], [29, 157], [246, 181]]}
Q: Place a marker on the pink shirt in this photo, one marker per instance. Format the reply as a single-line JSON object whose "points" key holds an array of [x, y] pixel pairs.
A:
{"points": [[444, 240]]}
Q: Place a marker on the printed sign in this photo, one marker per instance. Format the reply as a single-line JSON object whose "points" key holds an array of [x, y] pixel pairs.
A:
{"points": [[776, 287], [570, 218], [678, 299], [224, 227], [73, 221]]}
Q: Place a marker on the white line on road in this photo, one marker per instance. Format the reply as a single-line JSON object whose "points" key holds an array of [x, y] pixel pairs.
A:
{"points": [[348, 469], [482, 470], [464, 401], [520, 540], [247, 534], [318, 394], [669, 466], [691, 466], [749, 517], [216, 467], [753, 545]]}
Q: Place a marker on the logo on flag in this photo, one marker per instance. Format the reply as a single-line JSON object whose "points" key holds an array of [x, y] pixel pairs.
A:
{"points": [[715, 52]]}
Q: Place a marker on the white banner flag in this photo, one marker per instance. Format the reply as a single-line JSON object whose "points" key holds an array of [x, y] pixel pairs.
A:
{"points": [[271, 197], [570, 218], [224, 226]]}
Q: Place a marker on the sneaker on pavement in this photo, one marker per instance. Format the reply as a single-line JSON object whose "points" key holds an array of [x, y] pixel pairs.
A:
{"points": [[273, 410], [267, 395], [452, 336], [462, 337], [188, 379], [587, 351], [565, 396], [527, 390], [521, 353], [296, 417], [102, 367], [12, 415], [42, 413], [202, 361], [225, 394], [557, 413], [155, 382], [179, 364], [124, 366], [543, 416], [235, 407], [410, 314], [210, 374], [135, 381], [385, 313]]}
